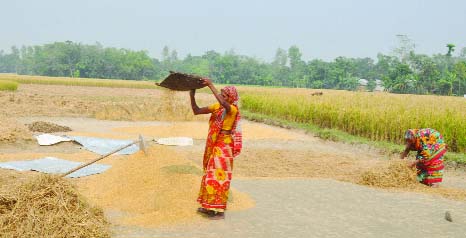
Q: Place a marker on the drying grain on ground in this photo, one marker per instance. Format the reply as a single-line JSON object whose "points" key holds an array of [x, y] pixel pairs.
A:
{"points": [[153, 189]]}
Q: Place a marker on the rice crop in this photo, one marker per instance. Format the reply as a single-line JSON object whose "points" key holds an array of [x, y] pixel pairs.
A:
{"points": [[377, 116], [7, 85]]}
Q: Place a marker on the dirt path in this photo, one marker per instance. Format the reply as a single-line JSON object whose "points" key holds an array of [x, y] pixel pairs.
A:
{"points": [[286, 183]]}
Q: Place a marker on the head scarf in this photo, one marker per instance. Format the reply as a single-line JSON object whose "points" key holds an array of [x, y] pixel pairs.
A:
{"points": [[410, 134], [232, 93], [412, 137]]}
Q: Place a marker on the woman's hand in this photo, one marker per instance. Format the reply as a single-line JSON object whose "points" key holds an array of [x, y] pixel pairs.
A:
{"points": [[206, 81], [412, 164], [404, 154]]}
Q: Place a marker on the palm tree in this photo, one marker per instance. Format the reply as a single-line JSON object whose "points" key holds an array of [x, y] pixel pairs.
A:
{"points": [[451, 48]]}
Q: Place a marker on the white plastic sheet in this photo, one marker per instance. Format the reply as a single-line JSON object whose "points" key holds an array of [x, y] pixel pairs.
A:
{"points": [[105, 146], [179, 141], [49, 139], [54, 165]]}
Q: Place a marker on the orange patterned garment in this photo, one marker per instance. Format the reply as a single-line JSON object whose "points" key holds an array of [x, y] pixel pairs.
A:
{"points": [[219, 153]]}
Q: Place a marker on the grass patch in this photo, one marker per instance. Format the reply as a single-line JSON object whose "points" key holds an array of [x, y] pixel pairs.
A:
{"points": [[451, 158], [182, 169], [7, 85]]}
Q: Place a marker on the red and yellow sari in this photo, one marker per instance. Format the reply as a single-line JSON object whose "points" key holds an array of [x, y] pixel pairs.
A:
{"points": [[220, 151]]}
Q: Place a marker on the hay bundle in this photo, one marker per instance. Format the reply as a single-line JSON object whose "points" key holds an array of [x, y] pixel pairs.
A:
{"points": [[396, 175], [49, 206], [47, 127]]}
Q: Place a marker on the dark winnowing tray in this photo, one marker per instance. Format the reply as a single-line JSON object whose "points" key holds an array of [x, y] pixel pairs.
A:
{"points": [[181, 82]]}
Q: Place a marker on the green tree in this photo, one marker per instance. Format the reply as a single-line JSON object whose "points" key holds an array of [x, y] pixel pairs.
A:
{"points": [[297, 66], [426, 70], [451, 48], [280, 71], [445, 84], [460, 71], [371, 85], [404, 48]]}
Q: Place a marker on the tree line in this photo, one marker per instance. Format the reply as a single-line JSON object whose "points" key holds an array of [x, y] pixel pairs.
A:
{"points": [[404, 71]]}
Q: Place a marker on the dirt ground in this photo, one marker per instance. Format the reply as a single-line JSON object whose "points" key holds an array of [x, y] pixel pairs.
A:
{"points": [[285, 182]]}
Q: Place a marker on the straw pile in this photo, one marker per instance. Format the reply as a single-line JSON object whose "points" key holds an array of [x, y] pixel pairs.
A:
{"points": [[47, 127], [49, 206], [396, 175]]}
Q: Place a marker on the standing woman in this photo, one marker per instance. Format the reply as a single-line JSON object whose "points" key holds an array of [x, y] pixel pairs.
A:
{"points": [[224, 143], [430, 148]]}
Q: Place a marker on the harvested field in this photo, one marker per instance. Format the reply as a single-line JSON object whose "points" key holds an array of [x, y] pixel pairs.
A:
{"points": [[157, 191], [11, 131]]}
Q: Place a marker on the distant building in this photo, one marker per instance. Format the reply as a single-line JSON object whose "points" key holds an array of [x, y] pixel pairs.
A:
{"points": [[379, 86], [364, 82]]}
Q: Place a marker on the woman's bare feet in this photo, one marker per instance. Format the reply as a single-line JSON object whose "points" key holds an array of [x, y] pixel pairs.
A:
{"points": [[213, 215], [202, 210]]}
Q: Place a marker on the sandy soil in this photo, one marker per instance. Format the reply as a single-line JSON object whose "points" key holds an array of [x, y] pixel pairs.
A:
{"points": [[283, 181]]}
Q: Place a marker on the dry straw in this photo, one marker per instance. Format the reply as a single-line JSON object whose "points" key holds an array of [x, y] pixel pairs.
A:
{"points": [[48, 206], [397, 175], [394, 175], [47, 127]]}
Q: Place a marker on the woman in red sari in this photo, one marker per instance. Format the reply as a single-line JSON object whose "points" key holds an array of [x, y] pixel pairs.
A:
{"points": [[224, 143]]}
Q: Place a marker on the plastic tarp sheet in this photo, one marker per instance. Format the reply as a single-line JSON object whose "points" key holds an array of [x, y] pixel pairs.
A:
{"points": [[49, 139], [105, 146], [179, 141], [54, 165]]}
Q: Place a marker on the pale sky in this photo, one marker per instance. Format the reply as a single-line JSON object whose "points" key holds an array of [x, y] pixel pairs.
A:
{"points": [[321, 29]]}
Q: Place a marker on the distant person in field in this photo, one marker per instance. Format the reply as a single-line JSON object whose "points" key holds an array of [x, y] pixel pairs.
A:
{"points": [[224, 143], [430, 148]]}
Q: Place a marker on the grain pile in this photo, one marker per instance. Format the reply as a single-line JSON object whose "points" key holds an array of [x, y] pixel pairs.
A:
{"points": [[48, 206], [151, 190], [47, 127], [395, 174]]}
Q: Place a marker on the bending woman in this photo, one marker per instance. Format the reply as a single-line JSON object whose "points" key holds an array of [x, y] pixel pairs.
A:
{"points": [[430, 149], [224, 143]]}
